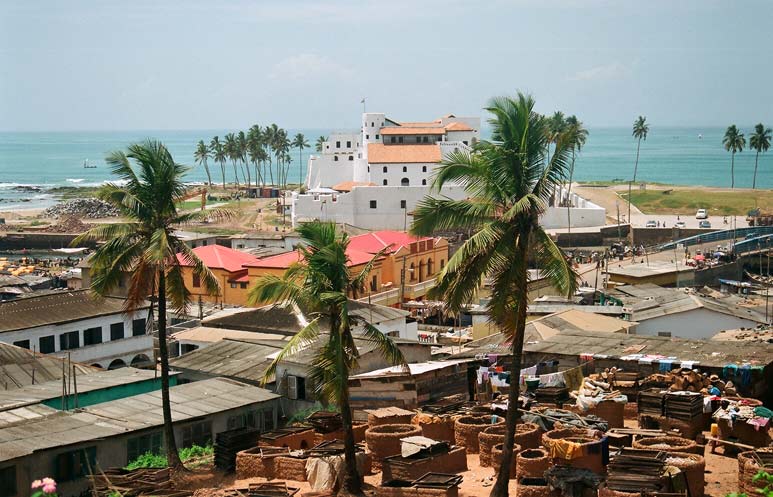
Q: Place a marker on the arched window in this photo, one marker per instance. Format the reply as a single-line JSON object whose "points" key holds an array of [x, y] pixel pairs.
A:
{"points": [[442, 264], [351, 157], [424, 169], [384, 169], [385, 182], [335, 158], [424, 182], [405, 182], [405, 169], [413, 271], [430, 267]]}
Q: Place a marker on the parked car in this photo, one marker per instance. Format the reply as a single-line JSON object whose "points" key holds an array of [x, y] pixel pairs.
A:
{"points": [[680, 224], [704, 224], [651, 224], [701, 214]]}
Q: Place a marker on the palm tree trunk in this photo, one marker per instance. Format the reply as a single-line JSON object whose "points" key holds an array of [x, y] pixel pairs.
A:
{"points": [[636, 164], [501, 486], [209, 176], [172, 456], [222, 171], [351, 481], [754, 181], [732, 171], [271, 171], [246, 167], [236, 174], [300, 168], [569, 196]]}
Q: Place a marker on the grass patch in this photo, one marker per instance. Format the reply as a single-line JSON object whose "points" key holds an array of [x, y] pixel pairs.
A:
{"points": [[686, 202], [189, 205], [151, 460], [70, 192], [213, 230]]}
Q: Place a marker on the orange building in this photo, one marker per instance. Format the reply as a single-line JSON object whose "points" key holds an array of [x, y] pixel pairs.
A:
{"points": [[228, 266]]}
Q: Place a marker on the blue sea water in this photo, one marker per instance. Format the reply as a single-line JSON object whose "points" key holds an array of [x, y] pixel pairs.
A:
{"points": [[669, 155]]}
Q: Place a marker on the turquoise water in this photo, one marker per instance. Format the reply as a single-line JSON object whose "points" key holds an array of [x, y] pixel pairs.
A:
{"points": [[669, 155]]}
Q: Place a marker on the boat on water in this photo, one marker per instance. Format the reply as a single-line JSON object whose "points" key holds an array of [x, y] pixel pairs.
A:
{"points": [[88, 165]]}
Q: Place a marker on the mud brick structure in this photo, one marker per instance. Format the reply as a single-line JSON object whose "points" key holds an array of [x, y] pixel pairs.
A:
{"points": [[384, 440], [496, 459], [409, 469], [532, 463], [467, 429]]}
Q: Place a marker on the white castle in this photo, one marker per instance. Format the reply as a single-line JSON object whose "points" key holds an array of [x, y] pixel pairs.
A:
{"points": [[375, 178]]}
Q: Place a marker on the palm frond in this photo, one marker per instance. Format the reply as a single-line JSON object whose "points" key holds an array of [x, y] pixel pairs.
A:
{"points": [[387, 348], [553, 263], [440, 214], [301, 340]]}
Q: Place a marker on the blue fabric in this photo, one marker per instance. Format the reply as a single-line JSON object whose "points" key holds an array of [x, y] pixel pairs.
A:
{"points": [[729, 371], [746, 374], [665, 366]]}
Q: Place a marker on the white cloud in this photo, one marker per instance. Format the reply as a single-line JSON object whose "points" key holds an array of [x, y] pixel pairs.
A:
{"points": [[309, 67], [603, 73]]}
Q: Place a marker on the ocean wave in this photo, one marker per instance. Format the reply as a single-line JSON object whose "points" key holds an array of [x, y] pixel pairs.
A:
{"points": [[9, 185], [75, 180]]}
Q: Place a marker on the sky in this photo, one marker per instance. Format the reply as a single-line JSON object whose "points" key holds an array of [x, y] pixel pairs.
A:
{"points": [[193, 64]]}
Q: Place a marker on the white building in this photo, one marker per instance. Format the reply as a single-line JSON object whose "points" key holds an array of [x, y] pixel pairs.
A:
{"points": [[91, 331], [375, 178]]}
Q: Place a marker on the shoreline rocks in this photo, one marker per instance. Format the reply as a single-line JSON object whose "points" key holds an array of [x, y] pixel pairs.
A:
{"points": [[89, 208]]}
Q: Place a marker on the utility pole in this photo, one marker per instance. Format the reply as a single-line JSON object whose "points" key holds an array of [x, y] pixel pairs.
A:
{"points": [[619, 236]]}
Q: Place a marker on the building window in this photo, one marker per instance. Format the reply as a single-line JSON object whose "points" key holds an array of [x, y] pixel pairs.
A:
{"points": [[372, 124], [338, 144], [25, 344], [418, 139], [197, 434], [348, 144], [413, 272], [424, 182], [405, 182], [46, 344], [399, 139], [138, 327], [268, 419], [72, 465], [464, 141], [384, 169], [376, 137], [242, 285], [69, 340], [367, 137], [196, 280], [403, 204], [430, 267], [360, 156], [374, 284], [351, 157], [373, 204], [242, 420], [137, 446], [426, 139], [385, 182], [442, 264], [424, 169], [8, 482], [92, 336], [392, 139], [116, 331], [405, 169], [233, 285], [335, 158]]}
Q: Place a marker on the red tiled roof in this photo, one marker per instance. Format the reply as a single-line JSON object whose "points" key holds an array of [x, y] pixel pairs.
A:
{"points": [[283, 261], [244, 278], [409, 130], [377, 240], [458, 126], [347, 186], [378, 153], [219, 257]]}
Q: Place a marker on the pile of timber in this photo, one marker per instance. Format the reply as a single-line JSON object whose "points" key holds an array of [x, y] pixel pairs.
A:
{"points": [[552, 395], [229, 442], [267, 489], [325, 422], [688, 380], [650, 401], [136, 483], [636, 471], [596, 389], [683, 405]]}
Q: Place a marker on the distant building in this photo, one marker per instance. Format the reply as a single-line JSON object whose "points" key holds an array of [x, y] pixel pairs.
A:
{"points": [[20, 367], [75, 324], [229, 268], [65, 445]]}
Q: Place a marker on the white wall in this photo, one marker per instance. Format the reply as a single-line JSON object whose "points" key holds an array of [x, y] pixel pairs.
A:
{"points": [[414, 173], [354, 208], [102, 353], [251, 242], [585, 214], [696, 324]]}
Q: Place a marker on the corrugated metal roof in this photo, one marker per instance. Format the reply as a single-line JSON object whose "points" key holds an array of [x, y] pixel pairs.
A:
{"points": [[34, 394], [18, 366], [55, 308], [125, 415], [238, 359], [415, 368]]}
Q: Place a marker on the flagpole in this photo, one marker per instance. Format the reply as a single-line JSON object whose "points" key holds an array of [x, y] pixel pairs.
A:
{"points": [[363, 104]]}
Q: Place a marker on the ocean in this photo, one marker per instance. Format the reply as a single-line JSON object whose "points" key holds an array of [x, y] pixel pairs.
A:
{"points": [[33, 162]]}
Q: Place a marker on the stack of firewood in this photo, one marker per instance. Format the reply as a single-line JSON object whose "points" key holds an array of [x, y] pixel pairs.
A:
{"points": [[688, 380]]}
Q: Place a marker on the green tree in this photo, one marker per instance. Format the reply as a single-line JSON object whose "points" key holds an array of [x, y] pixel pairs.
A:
{"points": [[508, 185], [300, 143], [218, 155], [579, 136], [319, 285], [200, 156], [759, 141], [320, 143], [231, 148], [241, 147], [147, 247], [733, 141], [256, 152], [556, 124], [640, 131]]}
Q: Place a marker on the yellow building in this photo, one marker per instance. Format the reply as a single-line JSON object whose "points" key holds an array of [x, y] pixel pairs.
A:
{"points": [[228, 266]]}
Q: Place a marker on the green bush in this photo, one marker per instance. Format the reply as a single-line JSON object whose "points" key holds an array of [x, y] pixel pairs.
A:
{"points": [[151, 460]]}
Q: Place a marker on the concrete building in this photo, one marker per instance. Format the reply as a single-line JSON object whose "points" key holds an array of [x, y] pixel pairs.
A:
{"points": [[64, 445], [73, 323], [375, 178]]}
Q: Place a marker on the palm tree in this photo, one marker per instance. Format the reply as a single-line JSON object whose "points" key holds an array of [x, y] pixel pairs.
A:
{"points": [[508, 185], [241, 148], [269, 137], [200, 156], [640, 131], [232, 152], [320, 285], [147, 247], [733, 142], [580, 136], [759, 141], [320, 143], [218, 155], [300, 143], [556, 125], [254, 146]]}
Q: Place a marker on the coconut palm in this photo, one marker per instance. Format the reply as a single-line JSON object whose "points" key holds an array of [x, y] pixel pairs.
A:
{"points": [[579, 135], [733, 141], [300, 143], [218, 155], [231, 148], [759, 141], [508, 187], [556, 124], [256, 152], [320, 143], [319, 285], [241, 149], [640, 131], [200, 156], [269, 137], [147, 247]]}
